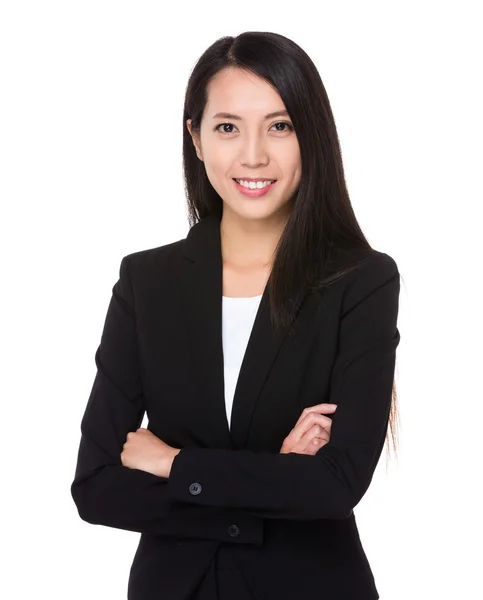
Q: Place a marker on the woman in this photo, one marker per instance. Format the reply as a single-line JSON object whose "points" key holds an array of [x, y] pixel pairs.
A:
{"points": [[262, 348]]}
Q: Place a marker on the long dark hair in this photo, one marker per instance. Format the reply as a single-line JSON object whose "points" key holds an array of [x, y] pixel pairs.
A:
{"points": [[322, 224]]}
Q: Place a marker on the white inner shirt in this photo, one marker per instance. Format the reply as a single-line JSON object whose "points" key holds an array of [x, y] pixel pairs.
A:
{"points": [[238, 316]]}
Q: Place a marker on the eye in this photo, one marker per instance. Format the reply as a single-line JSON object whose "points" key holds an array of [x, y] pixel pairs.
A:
{"points": [[223, 125], [289, 125], [284, 123]]}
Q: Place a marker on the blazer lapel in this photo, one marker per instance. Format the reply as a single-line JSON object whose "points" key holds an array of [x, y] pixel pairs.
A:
{"points": [[201, 278]]}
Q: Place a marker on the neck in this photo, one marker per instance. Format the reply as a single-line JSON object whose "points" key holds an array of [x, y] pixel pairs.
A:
{"points": [[249, 243]]}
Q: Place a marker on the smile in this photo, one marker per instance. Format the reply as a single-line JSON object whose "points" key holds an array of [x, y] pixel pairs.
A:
{"points": [[254, 191]]}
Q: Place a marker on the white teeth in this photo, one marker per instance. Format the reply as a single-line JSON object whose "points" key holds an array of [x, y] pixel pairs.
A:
{"points": [[254, 184]]}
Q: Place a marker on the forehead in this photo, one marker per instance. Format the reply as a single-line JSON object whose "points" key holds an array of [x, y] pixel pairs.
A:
{"points": [[242, 93]]}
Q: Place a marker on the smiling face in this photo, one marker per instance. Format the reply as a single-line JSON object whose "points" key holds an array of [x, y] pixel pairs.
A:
{"points": [[247, 141]]}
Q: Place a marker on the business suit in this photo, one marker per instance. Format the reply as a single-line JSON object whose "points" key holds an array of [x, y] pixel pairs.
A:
{"points": [[285, 520]]}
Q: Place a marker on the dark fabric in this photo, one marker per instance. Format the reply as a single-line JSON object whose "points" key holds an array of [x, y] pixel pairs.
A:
{"points": [[287, 517], [223, 580]]}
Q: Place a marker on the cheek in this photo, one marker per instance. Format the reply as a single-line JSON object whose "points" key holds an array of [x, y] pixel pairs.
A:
{"points": [[217, 163], [290, 161], [296, 169], [217, 174]]}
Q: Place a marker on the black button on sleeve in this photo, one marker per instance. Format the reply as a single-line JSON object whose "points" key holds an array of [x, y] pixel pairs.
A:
{"points": [[195, 489]]}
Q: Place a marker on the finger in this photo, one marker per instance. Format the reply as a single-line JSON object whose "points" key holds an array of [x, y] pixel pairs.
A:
{"points": [[315, 433], [318, 409], [306, 423], [311, 442], [310, 448], [300, 430], [324, 407], [311, 418]]}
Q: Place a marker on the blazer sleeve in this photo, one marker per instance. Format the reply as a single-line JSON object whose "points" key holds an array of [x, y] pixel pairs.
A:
{"points": [[331, 483], [104, 490]]}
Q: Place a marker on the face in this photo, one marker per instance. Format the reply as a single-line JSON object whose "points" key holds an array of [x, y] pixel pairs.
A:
{"points": [[248, 145]]}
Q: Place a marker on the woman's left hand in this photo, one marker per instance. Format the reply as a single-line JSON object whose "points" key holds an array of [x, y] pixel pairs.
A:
{"points": [[143, 450]]}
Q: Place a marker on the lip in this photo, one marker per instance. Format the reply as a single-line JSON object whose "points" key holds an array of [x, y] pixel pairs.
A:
{"points": [[254, 193], [254, 178]]}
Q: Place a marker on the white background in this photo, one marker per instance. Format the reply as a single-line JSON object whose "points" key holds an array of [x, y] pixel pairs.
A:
{"points": [[90, 158]]}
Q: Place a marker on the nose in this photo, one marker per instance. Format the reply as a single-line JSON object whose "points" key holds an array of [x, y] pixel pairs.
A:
{"points": [[253, 152]]}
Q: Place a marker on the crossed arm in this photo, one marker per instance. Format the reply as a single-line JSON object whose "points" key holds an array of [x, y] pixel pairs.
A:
{"points": [[207, 488]]}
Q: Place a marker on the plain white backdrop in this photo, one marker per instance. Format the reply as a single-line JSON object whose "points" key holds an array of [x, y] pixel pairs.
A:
{"points": [[91, 105]]}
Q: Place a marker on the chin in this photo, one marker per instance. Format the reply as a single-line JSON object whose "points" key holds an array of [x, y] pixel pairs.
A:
{"points": [[256, 213]]}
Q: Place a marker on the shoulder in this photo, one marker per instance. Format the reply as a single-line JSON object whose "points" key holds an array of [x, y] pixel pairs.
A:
{"points": [[142, 269], [157, 260], [156, 254], [374, 271], [375, 266]]}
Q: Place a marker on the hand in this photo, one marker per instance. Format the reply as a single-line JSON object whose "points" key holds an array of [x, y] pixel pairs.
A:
{"points": [[143, 450], [311, 432]]}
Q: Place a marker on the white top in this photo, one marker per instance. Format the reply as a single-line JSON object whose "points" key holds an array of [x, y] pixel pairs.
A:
{"points": [[238, 316]]}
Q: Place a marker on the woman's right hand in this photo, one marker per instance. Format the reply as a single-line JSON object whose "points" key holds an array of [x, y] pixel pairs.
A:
{"points": [[311, 432]]}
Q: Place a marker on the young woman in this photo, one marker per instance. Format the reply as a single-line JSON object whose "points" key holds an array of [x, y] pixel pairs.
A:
{"points": [[262, 348]]}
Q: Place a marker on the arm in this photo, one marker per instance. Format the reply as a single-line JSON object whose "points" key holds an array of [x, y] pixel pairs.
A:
{"points": [[331, 483], [105, 491]]}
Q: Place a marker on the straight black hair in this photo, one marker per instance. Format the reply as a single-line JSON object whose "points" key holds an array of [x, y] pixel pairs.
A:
{"points": [[322, 240]]}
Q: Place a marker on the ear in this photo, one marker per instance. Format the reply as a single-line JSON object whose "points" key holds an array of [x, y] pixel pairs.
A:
{"points": [[195, 138]]}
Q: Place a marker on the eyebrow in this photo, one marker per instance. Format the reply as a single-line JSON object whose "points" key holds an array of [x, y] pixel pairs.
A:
{"points": [[225, 115]]}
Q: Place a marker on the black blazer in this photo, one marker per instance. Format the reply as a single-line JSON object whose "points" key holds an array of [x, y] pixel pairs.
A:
{"points": [[287, 517]]}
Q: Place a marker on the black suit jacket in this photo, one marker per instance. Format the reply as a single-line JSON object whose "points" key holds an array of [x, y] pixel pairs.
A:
{"points": [[288, 518]]}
